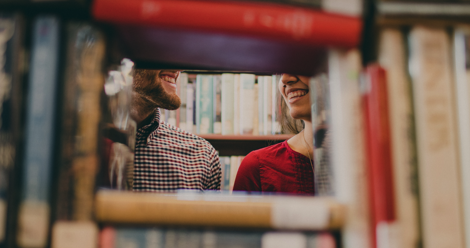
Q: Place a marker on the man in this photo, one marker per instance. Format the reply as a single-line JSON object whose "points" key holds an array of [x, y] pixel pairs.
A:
{"points": [[167, 158]]}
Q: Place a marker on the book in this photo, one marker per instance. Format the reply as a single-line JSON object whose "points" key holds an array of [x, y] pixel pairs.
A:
{"points": [[217, 209], [462, 94], [261, 103], [183, 78], [236, 104], [227, 103], [247, 84], [320, 107], [120, 237], [379, 155], [269, 21], [190, 91], [255, 110], [431, 77], [34, 208], [276, 126], [79, 128], [267, 105], [392, 57], [347, 139], [204, 103], [234, 164], [217, 105], [11, 120]]}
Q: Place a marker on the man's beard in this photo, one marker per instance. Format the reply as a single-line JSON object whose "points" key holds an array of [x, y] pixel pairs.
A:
{"points": [[156, 96]]}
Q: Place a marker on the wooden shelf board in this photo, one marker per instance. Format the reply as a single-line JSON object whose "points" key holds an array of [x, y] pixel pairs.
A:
{"points": [[246, 137]]}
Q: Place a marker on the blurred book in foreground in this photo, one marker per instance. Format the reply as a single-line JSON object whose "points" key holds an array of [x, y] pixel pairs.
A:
{"points": [[217, 209]]}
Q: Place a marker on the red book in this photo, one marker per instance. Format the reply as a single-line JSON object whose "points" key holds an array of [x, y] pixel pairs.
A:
{"points": [[379, 153], [261, 20]]}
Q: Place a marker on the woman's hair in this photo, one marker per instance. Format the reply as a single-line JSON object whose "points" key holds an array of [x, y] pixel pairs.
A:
{"points": [[288, 124]]}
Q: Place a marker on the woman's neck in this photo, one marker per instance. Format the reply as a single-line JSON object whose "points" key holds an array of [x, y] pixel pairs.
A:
{"points": [[303, 141]]}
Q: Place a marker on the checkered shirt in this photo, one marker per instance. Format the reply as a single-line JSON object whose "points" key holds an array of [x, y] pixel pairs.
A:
{"points": [[168, 158]]}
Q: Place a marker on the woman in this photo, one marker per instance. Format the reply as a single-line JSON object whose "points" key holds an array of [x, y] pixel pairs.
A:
{"points": [[288, 166]]}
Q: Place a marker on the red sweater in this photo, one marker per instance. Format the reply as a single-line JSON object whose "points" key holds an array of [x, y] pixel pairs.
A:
{"points": [[275, 168]]}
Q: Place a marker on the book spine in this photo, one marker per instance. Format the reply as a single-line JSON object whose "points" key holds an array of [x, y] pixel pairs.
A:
{"points": [[261, 103], [247, 83], [462, 93], [204, 102], [217, 98], [190, 107], [11, 121], [430, 70], [171, 116], [178, 110], [267, 112], [233, 171], [347, 138], [286, 23], [184, 101], [227, 175], [379, 162], [276, 127], [34, 212], [195, 111], [227, 103], [392, 56], [83, 84], [236, 105], [255, 110]]}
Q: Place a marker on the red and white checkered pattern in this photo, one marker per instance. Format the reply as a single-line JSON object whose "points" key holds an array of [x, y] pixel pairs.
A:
{"points": [[168, 158]]}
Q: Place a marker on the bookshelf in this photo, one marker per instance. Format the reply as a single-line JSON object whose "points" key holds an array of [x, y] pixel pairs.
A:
{"points": [[241, 145]]}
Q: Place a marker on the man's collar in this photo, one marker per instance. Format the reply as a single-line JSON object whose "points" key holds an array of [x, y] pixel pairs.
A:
{"points": [[153, 125]]}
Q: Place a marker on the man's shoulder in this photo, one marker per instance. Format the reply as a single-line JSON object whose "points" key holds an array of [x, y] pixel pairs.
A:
{"points": [[185, 136]]}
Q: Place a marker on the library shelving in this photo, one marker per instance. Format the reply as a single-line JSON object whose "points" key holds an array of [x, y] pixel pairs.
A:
{"points": [[241, 145]]}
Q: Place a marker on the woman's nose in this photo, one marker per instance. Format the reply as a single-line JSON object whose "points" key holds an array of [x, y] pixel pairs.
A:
{"points": [[288, 78]]}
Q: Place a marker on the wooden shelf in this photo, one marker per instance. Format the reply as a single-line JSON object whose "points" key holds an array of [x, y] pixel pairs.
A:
{"points": [[246, 137], [241, 145]]}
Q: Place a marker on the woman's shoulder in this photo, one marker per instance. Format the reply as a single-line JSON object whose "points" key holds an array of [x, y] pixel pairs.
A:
{"points": [[269, 149]]}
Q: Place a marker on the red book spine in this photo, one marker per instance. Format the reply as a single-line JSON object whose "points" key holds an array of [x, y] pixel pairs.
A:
{"points": [[263, 20], [379, 151]]}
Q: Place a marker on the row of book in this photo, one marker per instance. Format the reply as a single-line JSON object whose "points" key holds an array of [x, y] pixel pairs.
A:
{"points": [[51, 87], [227, 104], [400, 138]]}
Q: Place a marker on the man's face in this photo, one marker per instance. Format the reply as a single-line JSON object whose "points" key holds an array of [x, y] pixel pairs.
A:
{"points": [[158, 87]]}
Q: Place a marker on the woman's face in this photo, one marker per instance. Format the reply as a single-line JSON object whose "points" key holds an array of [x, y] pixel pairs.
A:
{"points": [[295, 91]]}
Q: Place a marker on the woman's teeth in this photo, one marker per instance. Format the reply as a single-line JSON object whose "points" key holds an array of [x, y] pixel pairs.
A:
{"points": [[297, 93]]}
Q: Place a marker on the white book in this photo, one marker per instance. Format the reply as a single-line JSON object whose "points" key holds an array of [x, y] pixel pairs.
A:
{"points": [[171, 114], [431, 73], [392, 57], [255, 111], [261, 105], [228, 85], [247, 84], [233, 170], [189, 107], [462, 93], [183, 79], [236, 104], [267, 97], [348, 145], [276, 126]]}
